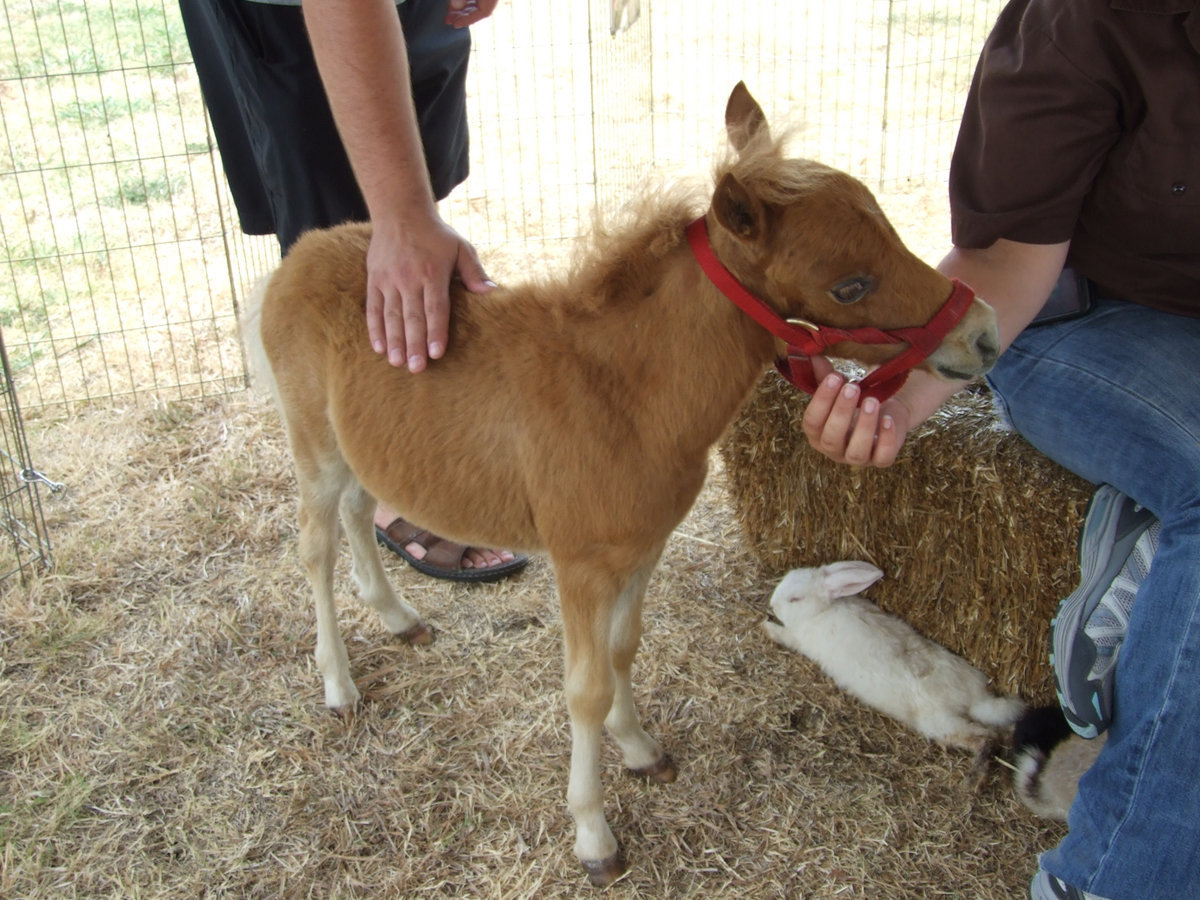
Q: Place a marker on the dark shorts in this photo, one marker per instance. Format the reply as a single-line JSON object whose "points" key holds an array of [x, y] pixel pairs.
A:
{"points": [[285, 163]]}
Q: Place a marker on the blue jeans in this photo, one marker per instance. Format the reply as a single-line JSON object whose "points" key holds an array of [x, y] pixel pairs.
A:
{"points": [[1115, 397]]}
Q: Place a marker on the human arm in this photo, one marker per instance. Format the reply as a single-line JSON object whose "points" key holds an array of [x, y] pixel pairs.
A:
{"points": [[360, 51], [1015, 278]]}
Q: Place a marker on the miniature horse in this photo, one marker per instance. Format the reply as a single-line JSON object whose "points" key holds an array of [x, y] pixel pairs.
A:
{"points": [[607, 388]]}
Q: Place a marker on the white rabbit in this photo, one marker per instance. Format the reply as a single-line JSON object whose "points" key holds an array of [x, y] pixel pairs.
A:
{"points": [[881, 660]]}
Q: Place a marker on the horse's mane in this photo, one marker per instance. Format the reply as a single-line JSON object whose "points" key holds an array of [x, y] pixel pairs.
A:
{"points": [[623, 247], [776, 178], [620, 253]]}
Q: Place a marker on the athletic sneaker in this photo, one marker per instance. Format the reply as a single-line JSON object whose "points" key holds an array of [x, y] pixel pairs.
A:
{"points": [[1115, 549], [1046, 887]]}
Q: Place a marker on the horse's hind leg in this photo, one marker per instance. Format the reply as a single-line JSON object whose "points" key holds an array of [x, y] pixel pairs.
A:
{"points": [[374, 589], [320, 489]]}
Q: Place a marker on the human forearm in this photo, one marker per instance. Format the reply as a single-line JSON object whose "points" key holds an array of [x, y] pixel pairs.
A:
{"points": [[1015, 278], [361, 53]]}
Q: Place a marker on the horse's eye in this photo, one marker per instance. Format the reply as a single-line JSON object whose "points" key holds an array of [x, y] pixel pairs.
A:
{"points": [[852, 289]]}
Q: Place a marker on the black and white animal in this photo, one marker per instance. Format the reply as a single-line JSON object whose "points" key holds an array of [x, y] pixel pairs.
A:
{"points": [[882, 661], [1048, 761]]}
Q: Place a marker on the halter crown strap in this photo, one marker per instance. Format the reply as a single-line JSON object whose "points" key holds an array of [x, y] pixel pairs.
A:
{"points": [[805, 342]]}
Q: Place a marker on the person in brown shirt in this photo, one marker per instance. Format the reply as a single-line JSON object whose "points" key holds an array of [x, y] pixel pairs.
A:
{"points": [[1075, 184]]}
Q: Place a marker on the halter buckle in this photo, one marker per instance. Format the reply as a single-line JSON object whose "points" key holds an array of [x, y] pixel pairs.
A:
{"points": [[804, 323]]}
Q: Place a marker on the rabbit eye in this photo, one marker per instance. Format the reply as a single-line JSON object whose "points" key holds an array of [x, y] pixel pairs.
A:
{"points": [[852, 289]]}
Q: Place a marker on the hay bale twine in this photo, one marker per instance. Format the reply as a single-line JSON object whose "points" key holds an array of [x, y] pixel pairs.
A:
{"points": [[975, 530]]}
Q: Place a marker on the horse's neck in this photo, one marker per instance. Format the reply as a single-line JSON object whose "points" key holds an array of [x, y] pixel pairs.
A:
{"points": [[698, 354]]}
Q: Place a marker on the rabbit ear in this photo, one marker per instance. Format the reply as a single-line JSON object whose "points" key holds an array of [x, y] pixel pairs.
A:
{"points": [[844, 579]]}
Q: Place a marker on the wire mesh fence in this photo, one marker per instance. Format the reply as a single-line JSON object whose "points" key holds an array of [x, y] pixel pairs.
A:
{"points": [[117, 266], [123, 261], [24, 545]]}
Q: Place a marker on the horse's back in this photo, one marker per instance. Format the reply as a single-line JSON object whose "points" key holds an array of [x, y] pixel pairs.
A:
{"points": [[318, 291], [404, 435]]}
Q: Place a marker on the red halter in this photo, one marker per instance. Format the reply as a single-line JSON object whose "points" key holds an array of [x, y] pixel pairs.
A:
{"points": [[805, 339]]}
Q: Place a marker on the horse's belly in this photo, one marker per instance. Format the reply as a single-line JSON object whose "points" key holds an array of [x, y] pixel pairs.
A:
{"points": [[439, 461]]}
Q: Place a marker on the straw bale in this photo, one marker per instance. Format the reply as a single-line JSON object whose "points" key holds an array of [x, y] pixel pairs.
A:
{"points": [[975, 530]]}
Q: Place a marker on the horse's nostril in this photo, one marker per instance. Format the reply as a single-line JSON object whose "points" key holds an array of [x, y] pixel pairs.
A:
{"points": [[987, 348]]}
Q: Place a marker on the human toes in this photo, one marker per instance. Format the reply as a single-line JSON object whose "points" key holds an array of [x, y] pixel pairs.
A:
{"points": [[484, 557]]}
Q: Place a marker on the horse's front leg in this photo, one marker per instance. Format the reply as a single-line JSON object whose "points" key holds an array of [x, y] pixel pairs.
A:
{"points": [[588, 599], [642, 754]]}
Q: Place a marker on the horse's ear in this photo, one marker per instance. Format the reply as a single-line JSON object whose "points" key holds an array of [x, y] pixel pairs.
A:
{"points": [[744, 118], [739, 211]]}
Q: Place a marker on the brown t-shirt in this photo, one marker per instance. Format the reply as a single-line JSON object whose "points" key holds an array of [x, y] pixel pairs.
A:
{"points": [[1083, 124]]}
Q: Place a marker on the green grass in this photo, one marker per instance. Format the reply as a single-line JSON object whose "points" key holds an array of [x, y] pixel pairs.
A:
{"points": [[99, 113], [79, 38], [138, 190]]}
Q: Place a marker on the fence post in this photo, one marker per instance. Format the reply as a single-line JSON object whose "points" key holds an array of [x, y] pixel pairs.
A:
{"points": [[26, 545]]}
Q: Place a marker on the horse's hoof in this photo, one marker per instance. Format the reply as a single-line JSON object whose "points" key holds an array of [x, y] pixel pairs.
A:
{"points": [[345, 713], [420, 635], [603, 872], [661, 772]]}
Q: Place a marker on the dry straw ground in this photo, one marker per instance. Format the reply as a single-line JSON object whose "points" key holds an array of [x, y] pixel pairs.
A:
{"points": [[162, 733]]}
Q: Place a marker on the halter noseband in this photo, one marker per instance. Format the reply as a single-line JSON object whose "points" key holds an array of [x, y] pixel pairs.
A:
{"points": [[806, 339]]}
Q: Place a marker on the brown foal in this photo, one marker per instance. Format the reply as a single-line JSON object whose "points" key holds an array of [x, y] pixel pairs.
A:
{"points": [[607, 388]]}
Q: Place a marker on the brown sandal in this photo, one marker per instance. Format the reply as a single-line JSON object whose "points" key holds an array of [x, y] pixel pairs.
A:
{"points": [[443, 558]]}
